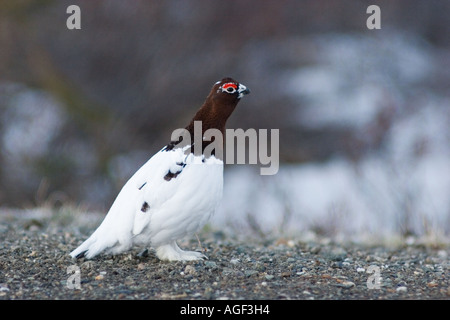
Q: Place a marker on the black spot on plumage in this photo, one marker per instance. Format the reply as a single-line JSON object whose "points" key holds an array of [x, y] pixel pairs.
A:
{"points": [[182, 165], [169, 147], [172, 144], [140, 188], [169, 176], [145, 207]]}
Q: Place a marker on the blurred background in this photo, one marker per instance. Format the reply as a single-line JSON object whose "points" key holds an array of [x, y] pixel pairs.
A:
{"points": [[363, 114]]}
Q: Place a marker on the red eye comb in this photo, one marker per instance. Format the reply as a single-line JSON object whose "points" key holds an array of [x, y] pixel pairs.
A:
{"points": [[229, 84]]}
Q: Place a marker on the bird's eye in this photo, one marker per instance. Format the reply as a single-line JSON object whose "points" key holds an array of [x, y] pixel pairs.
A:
{"points": [[229, 87]]}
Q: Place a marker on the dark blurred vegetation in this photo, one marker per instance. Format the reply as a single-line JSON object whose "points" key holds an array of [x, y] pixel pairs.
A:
{"points": [[139, 69]]}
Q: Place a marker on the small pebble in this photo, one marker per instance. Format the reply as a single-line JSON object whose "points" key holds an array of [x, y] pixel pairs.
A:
{"points": [[227, 271], [347, 284], [211, 265], [249, 273], [141, 266], [129, 281], [87, 265], [315, 250], [3, 287], [189, 269], [401, 289], [291, 243], [208, 294]]}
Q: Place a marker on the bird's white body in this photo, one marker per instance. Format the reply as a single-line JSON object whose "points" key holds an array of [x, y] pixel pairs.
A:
{"points": [[174, 193], [152, 210]]}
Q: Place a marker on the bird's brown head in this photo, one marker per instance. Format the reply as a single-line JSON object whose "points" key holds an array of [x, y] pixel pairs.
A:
{"points": [[228, 91], [220, 104]]}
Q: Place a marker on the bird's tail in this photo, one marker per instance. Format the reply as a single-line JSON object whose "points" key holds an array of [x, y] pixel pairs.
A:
{"points": [[114, 235], [108, 238], [83, 249], [101, 240], [94, 245]]}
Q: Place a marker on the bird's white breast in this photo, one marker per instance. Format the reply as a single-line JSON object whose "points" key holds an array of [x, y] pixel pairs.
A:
{"points": [[183, 204]]}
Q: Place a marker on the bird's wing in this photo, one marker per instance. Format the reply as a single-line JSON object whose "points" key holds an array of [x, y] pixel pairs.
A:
{"points": [[156, 187], [130, 213]]}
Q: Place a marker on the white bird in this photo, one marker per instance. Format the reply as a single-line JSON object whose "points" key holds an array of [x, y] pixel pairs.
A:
{"points": [[173, 194]]}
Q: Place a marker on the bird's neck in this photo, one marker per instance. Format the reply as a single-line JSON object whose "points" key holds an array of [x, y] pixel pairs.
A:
{"points": [[212, 117]]}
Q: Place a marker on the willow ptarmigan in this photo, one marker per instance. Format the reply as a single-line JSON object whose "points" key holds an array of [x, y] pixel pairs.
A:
{"points": [[173, 194]]}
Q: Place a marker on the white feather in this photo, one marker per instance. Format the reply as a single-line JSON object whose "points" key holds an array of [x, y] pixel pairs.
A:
{"points": [[176, 208]]}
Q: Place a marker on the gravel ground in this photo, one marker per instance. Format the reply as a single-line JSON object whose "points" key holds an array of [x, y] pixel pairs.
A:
{"points": [[34, 264]]}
